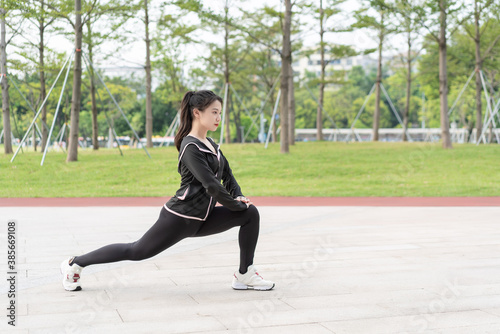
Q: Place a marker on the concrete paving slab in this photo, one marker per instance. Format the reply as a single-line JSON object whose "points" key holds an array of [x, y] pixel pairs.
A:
{"points": [[295, 329], [472, 322], [338, 270]]}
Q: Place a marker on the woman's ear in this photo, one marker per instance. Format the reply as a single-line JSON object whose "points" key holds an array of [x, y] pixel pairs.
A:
{"points": [[196, 113]]}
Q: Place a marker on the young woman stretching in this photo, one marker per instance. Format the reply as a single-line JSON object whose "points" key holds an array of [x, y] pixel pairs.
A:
{"points": [[191, 212]]}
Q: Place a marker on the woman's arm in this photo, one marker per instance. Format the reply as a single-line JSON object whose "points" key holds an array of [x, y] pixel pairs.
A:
{"points": [[197, 164], [229, 181], [231, 185]]}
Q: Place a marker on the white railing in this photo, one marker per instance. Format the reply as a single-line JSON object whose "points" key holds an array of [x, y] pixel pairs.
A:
{"points": [[417, 134]]}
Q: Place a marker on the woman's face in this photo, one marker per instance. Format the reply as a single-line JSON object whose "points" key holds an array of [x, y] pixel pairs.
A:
{"points": [[211, 116]]}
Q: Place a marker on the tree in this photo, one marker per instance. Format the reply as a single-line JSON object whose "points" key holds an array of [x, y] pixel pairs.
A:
{"points": [[170, 36], [226, 66], [286, 63], [224, 57], [38, 14], [443, 76], [77, 85], [291, 103], [331, 10], [115, 13], [262, 66], [475, 32], [91, 11], [285, 53], [6, 8], [5, 84], [63, 11], [408, 23], [149, 112], [319, 116], [230, 60], [291, 87], [383, 27], [439, 13]]}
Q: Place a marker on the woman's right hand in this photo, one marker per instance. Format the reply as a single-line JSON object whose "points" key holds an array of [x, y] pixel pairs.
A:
{"points": [[244, 200]]}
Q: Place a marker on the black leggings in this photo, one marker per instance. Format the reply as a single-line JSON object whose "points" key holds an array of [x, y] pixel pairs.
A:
{"points": [[170, 229]]}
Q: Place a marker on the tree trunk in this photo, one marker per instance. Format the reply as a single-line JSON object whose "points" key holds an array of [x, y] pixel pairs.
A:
{"points": [[479, 86], [237, 121], [174, 77], [291, 104], [319, 114], [376, 113], [77, 86], [406, 114], [227, 75], [5, 88], [149, 109], [286, 57], [95, 125], [45, 131], [65, 136], [443, 78], [227, 131]]}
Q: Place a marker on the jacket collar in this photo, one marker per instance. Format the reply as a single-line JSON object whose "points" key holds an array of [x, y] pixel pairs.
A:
{"points": [[201, 145]]}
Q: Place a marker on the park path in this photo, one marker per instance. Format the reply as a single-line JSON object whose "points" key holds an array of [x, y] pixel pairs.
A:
{"points": [[338, 269]]}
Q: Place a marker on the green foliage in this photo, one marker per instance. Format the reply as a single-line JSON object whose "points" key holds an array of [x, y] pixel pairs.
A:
{"points": [[254, 43], [169, 38], [374, 16], [461, 63]]}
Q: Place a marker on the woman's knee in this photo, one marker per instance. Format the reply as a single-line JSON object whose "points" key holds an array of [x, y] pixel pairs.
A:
{"points": [[136, 253], [253, 213]]}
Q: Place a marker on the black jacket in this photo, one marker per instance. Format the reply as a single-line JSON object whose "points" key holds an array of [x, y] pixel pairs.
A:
{"points": [[201, 174]]}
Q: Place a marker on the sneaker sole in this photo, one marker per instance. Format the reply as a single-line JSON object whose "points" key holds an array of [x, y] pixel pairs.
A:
{"points": [[241, 286]]}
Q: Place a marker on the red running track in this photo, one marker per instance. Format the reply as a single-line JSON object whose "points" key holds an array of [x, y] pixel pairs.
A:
{"points": [[258, 201]]}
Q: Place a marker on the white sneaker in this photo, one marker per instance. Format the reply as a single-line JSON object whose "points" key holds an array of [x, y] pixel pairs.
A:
{"points": [[71, 275], [250, 280]]}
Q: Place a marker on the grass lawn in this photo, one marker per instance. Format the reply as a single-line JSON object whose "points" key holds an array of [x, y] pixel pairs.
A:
{"points": [[311, 169]]}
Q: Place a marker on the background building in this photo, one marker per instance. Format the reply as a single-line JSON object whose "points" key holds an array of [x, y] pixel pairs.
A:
{"points": [[312, 64]]}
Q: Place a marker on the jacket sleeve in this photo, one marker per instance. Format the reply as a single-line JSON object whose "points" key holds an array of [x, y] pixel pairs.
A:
{"points": [[229, 181], [197, 164]]}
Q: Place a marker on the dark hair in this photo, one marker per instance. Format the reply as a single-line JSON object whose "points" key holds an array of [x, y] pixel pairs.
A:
{"points": [[193, 99]]}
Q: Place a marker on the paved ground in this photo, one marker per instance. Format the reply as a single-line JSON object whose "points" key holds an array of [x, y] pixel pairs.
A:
{"points": [[342, 269]]}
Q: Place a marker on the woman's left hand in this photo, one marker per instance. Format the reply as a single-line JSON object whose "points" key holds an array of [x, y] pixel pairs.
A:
{"points": [[243, 199]]}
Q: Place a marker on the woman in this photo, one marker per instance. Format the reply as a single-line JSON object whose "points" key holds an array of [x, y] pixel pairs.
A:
{"points": [[191, 212]]}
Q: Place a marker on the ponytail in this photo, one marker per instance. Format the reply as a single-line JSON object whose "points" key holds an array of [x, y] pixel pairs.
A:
{"points": [[186, 119], [192, 99]]}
